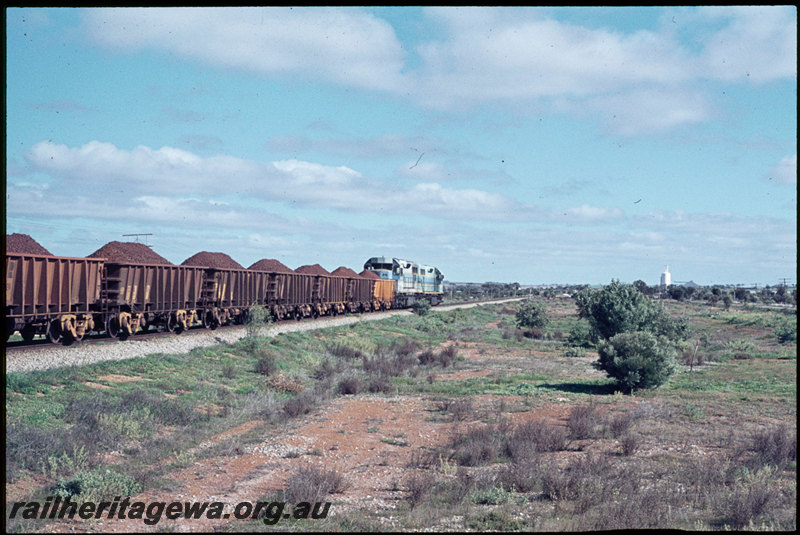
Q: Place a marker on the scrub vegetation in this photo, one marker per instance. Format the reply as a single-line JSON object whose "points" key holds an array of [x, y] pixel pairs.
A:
{"points": [[537, 438]]}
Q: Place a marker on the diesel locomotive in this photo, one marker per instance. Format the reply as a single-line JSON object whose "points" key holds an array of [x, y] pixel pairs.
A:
{"points": [[412, 282]]}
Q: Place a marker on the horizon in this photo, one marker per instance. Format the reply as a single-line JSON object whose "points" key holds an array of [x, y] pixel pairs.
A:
{"points": [[513, 143]]}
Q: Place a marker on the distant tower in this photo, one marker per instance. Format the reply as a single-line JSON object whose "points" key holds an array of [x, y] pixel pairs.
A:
{"points": [[666, 278]]}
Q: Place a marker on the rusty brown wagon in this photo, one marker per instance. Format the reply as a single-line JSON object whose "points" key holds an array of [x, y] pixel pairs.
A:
{"points": [[140, 296], [52, 295]]}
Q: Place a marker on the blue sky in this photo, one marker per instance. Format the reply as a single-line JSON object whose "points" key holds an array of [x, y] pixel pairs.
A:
{"points": [[536, 145]]}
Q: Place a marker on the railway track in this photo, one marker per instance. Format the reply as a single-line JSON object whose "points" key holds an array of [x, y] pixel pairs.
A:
{"points": [[42, 355]]}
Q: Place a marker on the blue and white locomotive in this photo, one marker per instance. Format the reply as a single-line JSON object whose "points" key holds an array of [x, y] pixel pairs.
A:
{"points": [[413, 281]]}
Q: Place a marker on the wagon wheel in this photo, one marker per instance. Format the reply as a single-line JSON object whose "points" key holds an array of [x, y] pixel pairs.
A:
{"points": [[54, 332], [144, 325], [112, 327], [124, 327], [297, 315], [173, 325], [68, 338], [27, 333], [210, 320]]}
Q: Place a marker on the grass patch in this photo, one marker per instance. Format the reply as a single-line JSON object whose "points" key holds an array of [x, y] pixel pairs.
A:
{"points": [[704, 451]]}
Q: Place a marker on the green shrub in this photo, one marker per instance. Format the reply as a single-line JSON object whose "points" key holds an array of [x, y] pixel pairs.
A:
{"points": [[740, 349], [492, 496], [532, 315], [97, 485], [786, 331], [255, 318], [637, 360], [573, 352], [620, 308], [421, 307], [582, 335]]}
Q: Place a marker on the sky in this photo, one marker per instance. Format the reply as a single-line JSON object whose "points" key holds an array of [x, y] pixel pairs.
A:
{"points": [[531, 145]]}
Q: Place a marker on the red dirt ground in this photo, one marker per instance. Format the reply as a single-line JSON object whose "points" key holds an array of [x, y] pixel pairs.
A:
{"points": [[371, 440]]}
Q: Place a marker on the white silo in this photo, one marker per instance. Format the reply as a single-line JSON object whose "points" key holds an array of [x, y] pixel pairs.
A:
{"points": [[666, 278]]}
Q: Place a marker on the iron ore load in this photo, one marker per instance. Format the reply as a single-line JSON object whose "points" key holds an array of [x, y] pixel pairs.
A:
{"points": [[125, 288]]}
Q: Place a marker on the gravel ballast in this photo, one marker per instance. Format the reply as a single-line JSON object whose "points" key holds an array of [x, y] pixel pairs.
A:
{"points": [[55, 356]]}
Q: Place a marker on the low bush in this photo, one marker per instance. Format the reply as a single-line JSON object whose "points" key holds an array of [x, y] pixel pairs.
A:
{"points": [[283, 383], [582, 335], [312, 484], [582, 421], [461, 409], [350, 385], [427, 357], [749, 498], [776, 446], [404, 346], [629, 443], [637, 360], [526, 475], [267, 363], [96, 485], [619, 425], [229, 371], [419, 486], [388, 365], [298, 406], [421, 307], [476, 446], [740, 349], [532, 315], [492, 496], [534, 332], [535, 436], [343, 350], [327, 368], [380, 385], [786, 331], [447, 356]]}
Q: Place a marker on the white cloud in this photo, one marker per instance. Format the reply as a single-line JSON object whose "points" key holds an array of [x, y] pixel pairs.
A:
{"points": [[757, 43], [785, 171], [112, 174], [523, 57], [645, 110], [344, 45], [496, 55], [589, 213]]}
